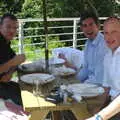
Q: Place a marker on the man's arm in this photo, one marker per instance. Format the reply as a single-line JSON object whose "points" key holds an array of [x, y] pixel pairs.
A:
{"points": [[82, 74], [6, 77], [18, 59], [7, 69], [109, 111]]}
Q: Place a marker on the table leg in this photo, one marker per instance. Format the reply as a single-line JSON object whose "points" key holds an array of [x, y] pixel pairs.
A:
{"points": [[56, 115], [80, 112], [39, 115]]}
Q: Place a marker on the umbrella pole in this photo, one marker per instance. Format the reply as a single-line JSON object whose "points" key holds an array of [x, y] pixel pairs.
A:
{"points": [[46, 37]]}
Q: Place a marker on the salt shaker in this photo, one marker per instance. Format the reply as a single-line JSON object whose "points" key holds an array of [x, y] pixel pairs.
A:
{"points": [[63, 93]]}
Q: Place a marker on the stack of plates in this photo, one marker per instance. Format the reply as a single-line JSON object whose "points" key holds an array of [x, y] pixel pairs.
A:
{"points": [[85, 89]]}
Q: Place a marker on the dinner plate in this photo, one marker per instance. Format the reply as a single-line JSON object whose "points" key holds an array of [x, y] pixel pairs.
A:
{"points": [[27, 67], [85, 89], [82, 85], [31, 67], [40, 77], [54, 61], [64, 71]]}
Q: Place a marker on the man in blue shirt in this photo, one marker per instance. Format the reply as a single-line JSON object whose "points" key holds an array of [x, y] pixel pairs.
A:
{"points": [[95, 49]]}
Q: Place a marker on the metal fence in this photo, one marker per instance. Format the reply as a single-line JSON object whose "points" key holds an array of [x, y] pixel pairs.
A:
{"points": [[61, 32]]}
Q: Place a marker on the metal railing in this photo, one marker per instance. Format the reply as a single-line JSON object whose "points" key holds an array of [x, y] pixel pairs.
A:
{"points": [[62, 32]]}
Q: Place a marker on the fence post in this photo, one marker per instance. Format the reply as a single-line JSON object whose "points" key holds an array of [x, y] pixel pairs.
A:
{"points": [[75, 33], [21, 37]]}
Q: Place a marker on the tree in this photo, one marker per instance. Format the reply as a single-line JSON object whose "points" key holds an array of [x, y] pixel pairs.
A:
{"points": [[11, 6], [72, 8], [32, 9]]}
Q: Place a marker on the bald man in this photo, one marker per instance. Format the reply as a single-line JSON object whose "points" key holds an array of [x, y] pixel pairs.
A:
{"points": [[111, 69]]}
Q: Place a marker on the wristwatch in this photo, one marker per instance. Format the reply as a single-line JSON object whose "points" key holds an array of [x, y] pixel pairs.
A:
{"points": [[98, 117]]}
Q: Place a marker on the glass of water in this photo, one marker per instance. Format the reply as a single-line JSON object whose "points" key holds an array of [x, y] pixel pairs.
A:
{"points": [[36, 90]]}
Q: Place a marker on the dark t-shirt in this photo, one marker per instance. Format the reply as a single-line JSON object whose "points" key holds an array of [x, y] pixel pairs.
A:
{"points": [[8, 90], [6, 52]]}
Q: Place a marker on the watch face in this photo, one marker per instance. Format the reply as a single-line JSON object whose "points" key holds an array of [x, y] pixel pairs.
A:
{"points": [[98, 117]]}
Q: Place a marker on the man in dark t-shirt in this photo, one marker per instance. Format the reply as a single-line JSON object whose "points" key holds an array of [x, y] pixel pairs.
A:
{"points": [[8, 29]]}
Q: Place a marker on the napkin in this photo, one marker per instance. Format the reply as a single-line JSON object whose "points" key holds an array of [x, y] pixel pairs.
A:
{"points": [[11, 111], [77, 97]]}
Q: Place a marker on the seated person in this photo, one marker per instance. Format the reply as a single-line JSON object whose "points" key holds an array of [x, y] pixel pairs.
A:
{"points": [[73, 57], [111, 60], [8, 29], [111, 67], [95, 49]]}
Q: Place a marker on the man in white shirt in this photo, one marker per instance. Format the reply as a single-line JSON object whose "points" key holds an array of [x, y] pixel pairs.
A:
{"points": [[111, 65], [112, 58]]}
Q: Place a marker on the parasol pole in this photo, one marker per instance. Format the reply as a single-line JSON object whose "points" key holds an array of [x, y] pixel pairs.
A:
{"points": [[46, 36]]}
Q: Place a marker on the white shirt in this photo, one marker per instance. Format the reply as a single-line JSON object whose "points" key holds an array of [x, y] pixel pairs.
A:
{"points": [[112, 72], [74, 56]]}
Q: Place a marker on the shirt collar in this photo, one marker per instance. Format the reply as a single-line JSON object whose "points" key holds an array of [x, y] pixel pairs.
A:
{"points": [[117, 50], [96, 40]]}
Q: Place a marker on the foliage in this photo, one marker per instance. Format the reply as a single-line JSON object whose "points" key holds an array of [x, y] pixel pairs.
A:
{"points": [[55, 9], [73, 8], [104, 7], [11, 6], [32, 9]]}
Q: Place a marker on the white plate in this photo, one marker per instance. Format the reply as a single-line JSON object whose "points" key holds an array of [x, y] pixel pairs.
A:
{"points": [[82, 85], [63, 71], [85, 90], [27, 67], [54, 61], [32, 78], [31, 67]]}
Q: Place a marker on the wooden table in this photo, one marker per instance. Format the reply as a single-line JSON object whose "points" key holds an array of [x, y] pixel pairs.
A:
{"points": [[39, 108]]}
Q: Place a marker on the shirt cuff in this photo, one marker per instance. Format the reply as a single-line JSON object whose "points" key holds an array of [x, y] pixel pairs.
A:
{"points": [[114, 93]]}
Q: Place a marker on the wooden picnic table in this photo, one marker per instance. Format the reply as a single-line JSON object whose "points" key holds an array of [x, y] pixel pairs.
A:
{"points": [[39, 107]]}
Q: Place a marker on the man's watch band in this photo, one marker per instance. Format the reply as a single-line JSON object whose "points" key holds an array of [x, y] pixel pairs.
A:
{"points": [[98, 117]]}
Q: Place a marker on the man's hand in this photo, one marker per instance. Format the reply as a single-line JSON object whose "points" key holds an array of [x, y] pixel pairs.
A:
{"points": [[18, 59], [67, 64], [62, 56]]}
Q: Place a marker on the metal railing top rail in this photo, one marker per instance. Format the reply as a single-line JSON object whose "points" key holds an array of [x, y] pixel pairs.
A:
{"points": [[53, 19], [73, 35]]}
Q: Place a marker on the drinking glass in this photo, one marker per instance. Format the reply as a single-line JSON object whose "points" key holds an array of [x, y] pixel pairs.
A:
{"points": [[36, 90]]}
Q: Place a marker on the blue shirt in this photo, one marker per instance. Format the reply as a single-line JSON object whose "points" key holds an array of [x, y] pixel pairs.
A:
{"points": [[94, 53]]}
